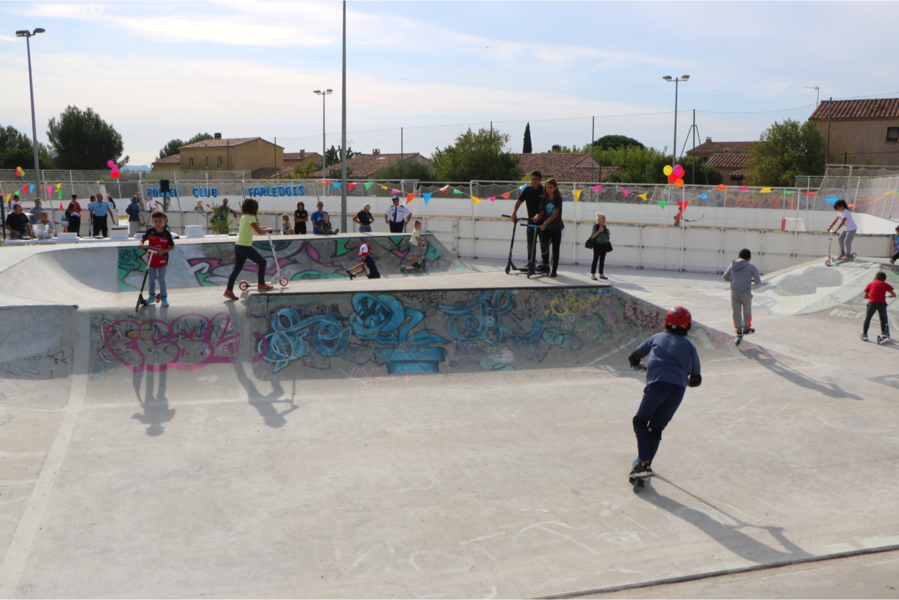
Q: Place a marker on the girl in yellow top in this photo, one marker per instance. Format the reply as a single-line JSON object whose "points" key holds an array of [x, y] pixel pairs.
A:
{"points": [[243, 248]]}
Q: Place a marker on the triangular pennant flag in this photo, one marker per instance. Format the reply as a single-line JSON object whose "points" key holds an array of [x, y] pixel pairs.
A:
{"points": [[410, 198], [350, 186], [788, 192], [25, 189], [383, 187], [577, 195], [831, 200], [645, 199], [506, 195], [49, 189], [427, 197], [524, 186], [721, 186], [492, 198], [396, 191], [814, 194], [60, 206], [704, 196], [475, 199], [335, 185], [455, 191], [368, 185], [624, 192], [744, 189], [325, 182], [58, 185], [683, 205], [596, 188], [662, 203], [443, 189], [60, 194], [765, 190]]}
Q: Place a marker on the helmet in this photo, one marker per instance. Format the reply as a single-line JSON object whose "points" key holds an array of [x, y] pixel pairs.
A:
{"points": [[364, 250], [679, 317]]}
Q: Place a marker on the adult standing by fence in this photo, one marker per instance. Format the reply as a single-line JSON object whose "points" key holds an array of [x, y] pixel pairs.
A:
{"points": [[133, 211], [550, 218], [601, 244], [364, 219], [397, 216], [99, 213], [74, 210], [531, 196]]}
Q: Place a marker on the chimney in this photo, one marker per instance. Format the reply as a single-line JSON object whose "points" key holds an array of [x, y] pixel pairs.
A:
{"points": [[302, 154], [556, 148], [217, 136], [376, 151], [708, 139]]}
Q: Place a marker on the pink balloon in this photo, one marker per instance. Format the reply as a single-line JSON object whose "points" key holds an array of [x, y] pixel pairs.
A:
{"points": [[678, 171], [111, 165]]}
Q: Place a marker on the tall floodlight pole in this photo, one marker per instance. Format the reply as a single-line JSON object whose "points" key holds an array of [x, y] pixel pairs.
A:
{"points": [[324, 156], [343, 134], [676, 81], [37, 167]]}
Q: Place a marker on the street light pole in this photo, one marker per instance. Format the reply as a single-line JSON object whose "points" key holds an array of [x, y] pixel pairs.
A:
{"points": [[37, 167], [676, 81], [343, 186], [324, 145]]}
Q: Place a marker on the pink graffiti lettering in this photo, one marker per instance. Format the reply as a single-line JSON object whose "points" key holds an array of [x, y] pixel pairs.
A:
{"points": [[187, 343]]}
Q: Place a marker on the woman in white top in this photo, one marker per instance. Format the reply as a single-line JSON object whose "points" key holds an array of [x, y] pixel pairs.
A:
{"points": [[845, 219]]}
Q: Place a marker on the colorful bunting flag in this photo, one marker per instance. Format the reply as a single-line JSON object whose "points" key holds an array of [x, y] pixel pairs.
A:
{"points": [[596, 188], [455, 191], [395, 191], [624, 192], [58, 185], [524, 186], [492, 198], [25, 189], [662, 203], [427, 197], [49, 189], [577, 195], [383, 187], [704, 196], [368, 185], [811, 194], [443, 189], [683, 205], [831, 200], [765, 190], [721, 186], [788, 192], [335, 185], [410, 198], [351, 186], [506, 195], [60, 206], [645, 199], [744, 189], [475, 199], [890, 192]]}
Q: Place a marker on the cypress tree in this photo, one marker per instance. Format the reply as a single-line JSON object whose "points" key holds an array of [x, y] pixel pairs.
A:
{"points": [[526, 147]]}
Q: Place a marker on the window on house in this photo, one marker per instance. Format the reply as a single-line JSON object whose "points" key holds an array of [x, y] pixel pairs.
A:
{"points": [[220, 162], [207, 161], [893, 134], [191, 163]]}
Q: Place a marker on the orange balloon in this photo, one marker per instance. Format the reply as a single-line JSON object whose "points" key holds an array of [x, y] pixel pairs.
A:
{"points": [[679, 183]]}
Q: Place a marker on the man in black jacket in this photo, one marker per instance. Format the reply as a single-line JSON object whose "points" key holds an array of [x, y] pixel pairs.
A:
{"points": [[531, 196]]}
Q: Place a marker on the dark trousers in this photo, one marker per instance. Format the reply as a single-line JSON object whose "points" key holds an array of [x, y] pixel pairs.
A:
{"points": [[241, 254], [299, 228], [881, 309], [74, 226], [660, 401], [598, 255], [397, 227], [553, 238], [896, 256], [100, 226], [532, 246]]}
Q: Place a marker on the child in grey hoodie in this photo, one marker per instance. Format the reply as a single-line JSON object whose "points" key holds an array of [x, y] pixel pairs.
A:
{"points": [[741, 275]]}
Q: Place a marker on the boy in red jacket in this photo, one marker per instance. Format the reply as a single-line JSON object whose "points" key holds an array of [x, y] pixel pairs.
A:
{"points": [[161, 243], [876, 295]]}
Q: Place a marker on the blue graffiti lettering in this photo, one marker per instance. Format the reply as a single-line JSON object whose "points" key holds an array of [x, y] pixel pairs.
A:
{"points": [[287, 341], [480, 319]]}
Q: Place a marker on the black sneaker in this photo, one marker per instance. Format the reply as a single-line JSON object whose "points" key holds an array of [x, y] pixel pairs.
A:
{"points": [[739, 331], [641, 471], [553, 274], [543, 269], [750, 330]]}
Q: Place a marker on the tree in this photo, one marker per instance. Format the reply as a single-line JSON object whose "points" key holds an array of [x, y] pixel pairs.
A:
{"points": [[83, 140], [638, 164], [405, 169], [333, 155], [613, 142], [527, 147], [307, 171], [786, 150], [16, 150], [480, 155], [173, 146], [705, 175]]}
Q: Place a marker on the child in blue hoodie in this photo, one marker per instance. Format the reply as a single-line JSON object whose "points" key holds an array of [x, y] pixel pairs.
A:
{"points": [[895, 247], [741, 275]]}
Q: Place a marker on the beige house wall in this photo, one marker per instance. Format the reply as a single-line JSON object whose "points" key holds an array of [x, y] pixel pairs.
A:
{"points": [[861, 142], [242, 157]]}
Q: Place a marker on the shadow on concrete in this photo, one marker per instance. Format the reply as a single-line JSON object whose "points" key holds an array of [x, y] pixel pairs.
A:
{"points": [[729, 536], [890, 380], [154, 403], [778, 368], [264, 403]]}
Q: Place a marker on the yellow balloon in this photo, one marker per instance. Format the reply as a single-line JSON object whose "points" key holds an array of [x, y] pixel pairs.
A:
{"points": [[667, 170]]}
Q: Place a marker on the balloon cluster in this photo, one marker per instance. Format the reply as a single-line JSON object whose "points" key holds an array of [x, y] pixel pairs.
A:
{"points": [[19, 172], [675, 175], [115, 170]]}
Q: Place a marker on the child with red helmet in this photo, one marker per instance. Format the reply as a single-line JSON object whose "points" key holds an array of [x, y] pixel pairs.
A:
{"points": [[367, 261], [673, 365]]}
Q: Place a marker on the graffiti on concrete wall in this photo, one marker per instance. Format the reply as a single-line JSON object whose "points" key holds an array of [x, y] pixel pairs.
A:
{"points": [[186, 343], [210, 264], [53, 363], [412, 332]]}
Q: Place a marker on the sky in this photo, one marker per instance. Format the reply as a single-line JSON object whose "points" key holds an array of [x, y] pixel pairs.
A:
{"points": [[163, 70]]}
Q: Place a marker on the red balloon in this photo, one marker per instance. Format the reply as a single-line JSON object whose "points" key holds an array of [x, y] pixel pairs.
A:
{"points": [[672, 178], [115, 174]]}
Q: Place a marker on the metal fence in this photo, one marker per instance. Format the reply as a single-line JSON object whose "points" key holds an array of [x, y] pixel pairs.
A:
{"points": [[867, 189]]}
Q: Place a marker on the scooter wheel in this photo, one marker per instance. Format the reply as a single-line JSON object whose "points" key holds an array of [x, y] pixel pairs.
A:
{"points": [[853, 255], [283, 281], [828, 263], [402, 269], [508, 268], [243, 286]]}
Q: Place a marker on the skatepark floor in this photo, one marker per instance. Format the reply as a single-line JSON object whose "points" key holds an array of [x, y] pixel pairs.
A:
{"points": [[467, 485]]}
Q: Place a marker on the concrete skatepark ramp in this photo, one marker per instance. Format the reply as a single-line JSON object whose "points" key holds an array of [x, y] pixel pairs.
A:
{"points": [[457, 436]]}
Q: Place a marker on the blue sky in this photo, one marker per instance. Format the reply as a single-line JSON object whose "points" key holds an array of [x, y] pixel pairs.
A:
{"points": [[162, 70]]}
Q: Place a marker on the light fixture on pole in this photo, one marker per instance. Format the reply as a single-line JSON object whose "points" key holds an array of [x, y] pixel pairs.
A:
{"points": [[343, 148], [37, 168], [324, 156], [676, 81], [817, 92]]}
